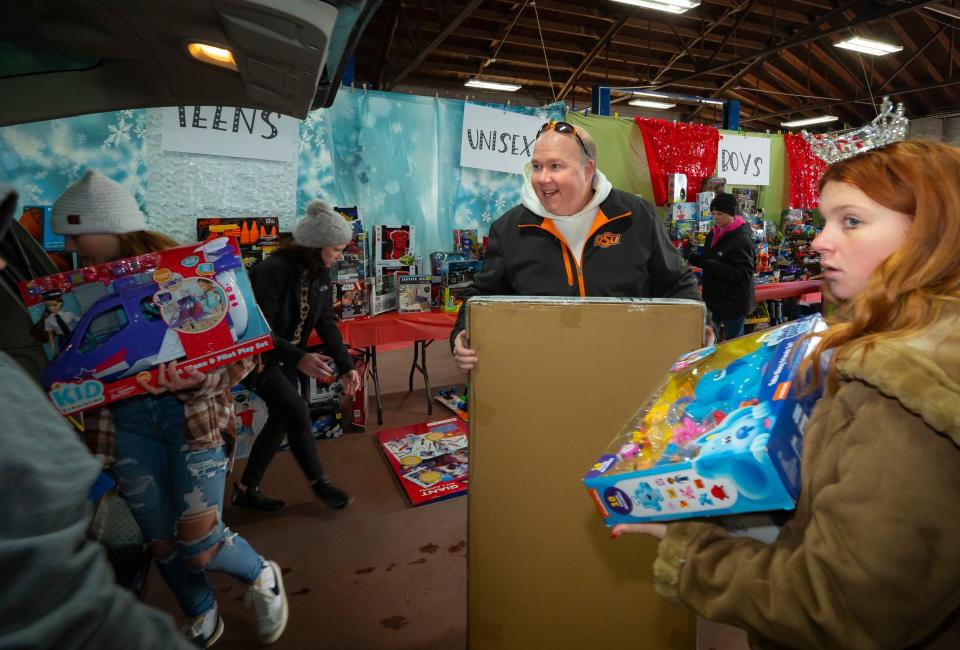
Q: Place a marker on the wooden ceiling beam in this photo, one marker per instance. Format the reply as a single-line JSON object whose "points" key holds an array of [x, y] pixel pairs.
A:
{"points": [[815, 32], [952, 55], [449, 29], [865, 98], [594, 53]]}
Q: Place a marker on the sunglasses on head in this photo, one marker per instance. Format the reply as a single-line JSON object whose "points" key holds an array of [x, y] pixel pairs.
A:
{"points": [[564, 127]]}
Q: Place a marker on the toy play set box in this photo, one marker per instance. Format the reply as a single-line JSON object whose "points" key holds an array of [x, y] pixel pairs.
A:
{"points": [[428, 459], [108, 326], [722, 435]]}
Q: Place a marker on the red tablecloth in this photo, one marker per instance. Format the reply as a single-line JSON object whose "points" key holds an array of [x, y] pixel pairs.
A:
{"points": [[781, 290], [394, 327]]}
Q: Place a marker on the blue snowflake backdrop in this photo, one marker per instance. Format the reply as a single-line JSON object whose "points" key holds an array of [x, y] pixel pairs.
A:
{"points": [[396, 156]]}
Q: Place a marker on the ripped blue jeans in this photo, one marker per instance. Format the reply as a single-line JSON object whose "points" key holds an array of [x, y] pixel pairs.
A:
{"points": [[177, 495]]}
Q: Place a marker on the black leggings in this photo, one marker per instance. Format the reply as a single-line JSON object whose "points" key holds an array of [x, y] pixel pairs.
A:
{"points": [[287, 414]]}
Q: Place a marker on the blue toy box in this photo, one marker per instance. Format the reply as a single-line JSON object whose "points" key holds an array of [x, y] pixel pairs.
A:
{"points": [[722, 435]]}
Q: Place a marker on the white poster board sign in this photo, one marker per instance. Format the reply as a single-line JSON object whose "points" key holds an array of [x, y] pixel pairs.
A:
{"points": [[744, 160], [498, 140], [229, 131]]}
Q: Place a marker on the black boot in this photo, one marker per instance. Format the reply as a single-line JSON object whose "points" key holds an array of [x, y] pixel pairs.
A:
{"points": [[331, 494], [252, 497]]}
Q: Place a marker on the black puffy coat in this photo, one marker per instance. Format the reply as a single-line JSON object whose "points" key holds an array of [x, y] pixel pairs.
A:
{"points": [[728, 271], [276, 283], [627, 254]]}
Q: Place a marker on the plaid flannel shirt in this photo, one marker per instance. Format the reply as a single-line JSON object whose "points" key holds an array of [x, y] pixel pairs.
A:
{"points": [[208, 410]]}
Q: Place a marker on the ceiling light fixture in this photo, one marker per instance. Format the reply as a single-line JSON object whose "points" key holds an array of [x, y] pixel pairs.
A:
{"points": [[670, 6], [868, 46], [213, 55], [492, 85], [648, 104], [823, 119], [644, 93]]}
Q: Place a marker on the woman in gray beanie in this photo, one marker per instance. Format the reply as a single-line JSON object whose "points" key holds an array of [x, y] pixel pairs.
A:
{"points": [[292, 287], [168, 450]]}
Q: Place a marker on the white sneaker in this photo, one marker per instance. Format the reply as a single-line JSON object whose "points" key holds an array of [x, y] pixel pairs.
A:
{"points": [[205, 629], [269, 601]]}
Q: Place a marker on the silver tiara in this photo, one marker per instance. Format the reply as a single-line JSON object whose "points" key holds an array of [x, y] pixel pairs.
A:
{"points": [[889, 126]]}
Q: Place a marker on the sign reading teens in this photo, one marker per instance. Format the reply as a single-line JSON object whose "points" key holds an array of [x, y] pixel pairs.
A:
{"points": [[229, 131], [497, 140]]}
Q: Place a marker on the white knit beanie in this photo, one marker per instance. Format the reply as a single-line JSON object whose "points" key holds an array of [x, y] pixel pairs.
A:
{"points": [[96, 204], [322, 227]]}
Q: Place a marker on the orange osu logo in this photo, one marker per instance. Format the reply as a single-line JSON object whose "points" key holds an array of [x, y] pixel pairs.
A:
{"points": [[606, 240]]}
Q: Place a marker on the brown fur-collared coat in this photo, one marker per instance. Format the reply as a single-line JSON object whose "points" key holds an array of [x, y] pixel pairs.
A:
{"points": [[871, 557]]}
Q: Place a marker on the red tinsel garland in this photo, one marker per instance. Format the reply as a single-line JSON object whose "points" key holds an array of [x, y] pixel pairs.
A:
{"points": [[805, 172], [672, 148]]}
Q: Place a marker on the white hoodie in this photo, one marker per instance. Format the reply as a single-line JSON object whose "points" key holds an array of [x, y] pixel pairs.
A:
{"points": [[574, 227]]}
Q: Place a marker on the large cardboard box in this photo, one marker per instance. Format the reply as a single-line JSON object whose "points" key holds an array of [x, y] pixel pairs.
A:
{"points": [[556, 378]]}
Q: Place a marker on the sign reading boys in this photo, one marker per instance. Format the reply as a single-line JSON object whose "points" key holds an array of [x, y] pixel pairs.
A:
{"points": [[497, 140], [744, 160], [229, 131]]}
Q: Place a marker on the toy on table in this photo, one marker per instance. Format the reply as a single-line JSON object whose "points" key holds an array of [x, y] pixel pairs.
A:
{"points": [[722, 434]]}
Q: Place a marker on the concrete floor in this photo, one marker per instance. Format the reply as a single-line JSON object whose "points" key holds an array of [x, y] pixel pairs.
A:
{"points": [[377, 575]]}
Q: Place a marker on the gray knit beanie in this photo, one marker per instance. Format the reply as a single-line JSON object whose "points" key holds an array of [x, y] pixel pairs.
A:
{"points": [[96, 204], [322, 227]]}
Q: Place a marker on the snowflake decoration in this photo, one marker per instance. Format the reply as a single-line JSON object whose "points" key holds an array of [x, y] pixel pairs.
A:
{"points": [[486, 217], [500, 204], [81, 139], [119, 134]]}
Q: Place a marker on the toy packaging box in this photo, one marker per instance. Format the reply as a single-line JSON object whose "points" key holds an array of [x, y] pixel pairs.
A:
{"points": [[383, 289], [258, 236], [49, 240], [413, 293], [428, 459], [467, 243], [354, 215], [250, 414], [350, 271], [108, 326], [440, 261], [249, 231], [394, 245], [351, 300], [460, 274], [680, 212], [676, 188], [704, 199], [722, 435]]}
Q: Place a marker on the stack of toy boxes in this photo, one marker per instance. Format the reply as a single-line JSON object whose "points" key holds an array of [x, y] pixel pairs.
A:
{"points": [[393, 258], [351, 288], [454, 271], [722, 435], [108, 326]]}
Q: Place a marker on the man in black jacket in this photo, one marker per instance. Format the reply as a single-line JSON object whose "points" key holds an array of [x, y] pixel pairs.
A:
{"points": [[292, 288], [574, 235], [728, 263]]}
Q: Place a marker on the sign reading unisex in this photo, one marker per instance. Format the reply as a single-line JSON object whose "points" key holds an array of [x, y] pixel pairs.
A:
{"points": [[744, 160], [229, 131], [495, 139]]}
